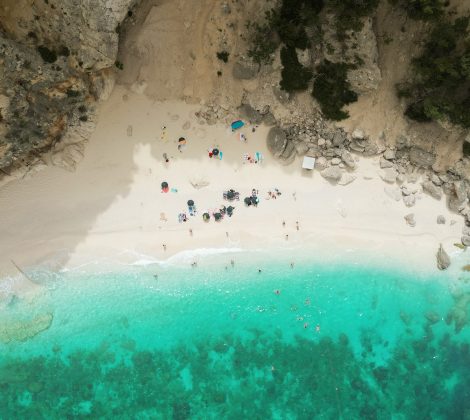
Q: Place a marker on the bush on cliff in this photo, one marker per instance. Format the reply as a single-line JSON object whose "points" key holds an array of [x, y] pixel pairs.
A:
{"points": [[295, 77], [332, 90], [440, 86]]}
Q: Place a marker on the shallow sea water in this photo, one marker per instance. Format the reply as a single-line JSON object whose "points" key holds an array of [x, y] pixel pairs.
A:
{"points": [[216, 341]]}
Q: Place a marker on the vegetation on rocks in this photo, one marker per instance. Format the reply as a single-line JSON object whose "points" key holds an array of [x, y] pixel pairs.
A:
{"points": [[295, 76], [332, 90], [422, 9], [439, 86]]}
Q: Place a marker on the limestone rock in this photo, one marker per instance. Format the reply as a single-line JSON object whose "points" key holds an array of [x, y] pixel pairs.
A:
{"points": [[333, 173], [247, 112], [443, 260], [433, 190], [420, 157], [384, 164], [466, 240], [339, 138], [409, 200], [348, 160], [288, 155], [301, 148], [276, 141], [441, 220], [393, 192], [389, 154], [321, 163], [389, 175], [358, 134], [335, 161], [269, 119], [410, 219], [346, 179], [244, 70]]}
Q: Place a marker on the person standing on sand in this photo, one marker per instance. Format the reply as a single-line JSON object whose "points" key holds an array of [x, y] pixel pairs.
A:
{"points": [[164, 247], [297, 225], [287, 237]]}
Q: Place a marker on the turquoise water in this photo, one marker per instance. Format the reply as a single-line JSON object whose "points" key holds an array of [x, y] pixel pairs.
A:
{"points": [[216, 341]]}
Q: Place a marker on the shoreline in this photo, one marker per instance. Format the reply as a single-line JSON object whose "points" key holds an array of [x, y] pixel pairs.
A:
{"points": [[112, 203]]}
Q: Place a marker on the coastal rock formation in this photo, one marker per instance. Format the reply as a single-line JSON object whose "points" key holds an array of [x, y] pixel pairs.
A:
{"points": [[280, 146], [432, 189], [441, 219], [56, 62], [443, 260]]}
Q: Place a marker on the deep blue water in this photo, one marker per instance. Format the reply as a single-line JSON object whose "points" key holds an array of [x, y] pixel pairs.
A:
{"points": [[216, 341]]}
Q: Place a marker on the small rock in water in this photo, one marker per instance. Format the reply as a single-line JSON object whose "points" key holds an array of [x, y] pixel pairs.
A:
{"points": [[443, 260], [410, 219], [432, 317], [441, 220]]}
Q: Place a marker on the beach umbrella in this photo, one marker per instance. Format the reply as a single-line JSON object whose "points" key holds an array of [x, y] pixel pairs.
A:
{"points": [[247, 201], [190, 203], [206, 217], [254, 200], [215, 152], [164, 184], [230, 210], [230, 195], [217, 216]]}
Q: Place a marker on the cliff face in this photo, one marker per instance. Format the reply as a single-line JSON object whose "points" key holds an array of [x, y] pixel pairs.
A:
{"points": [[56, 60]]}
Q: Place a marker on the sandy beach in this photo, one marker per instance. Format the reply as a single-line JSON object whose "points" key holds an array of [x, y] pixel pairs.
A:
{"points": [[112, 206]]}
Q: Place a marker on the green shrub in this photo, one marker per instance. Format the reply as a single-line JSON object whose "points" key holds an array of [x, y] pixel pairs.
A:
{"points": [[424, 9], [349, 14], [439, 88], [119, 65], [332, 90], [48, 56], [295, 77], [223, 56], [466, 149], [71, 93]]}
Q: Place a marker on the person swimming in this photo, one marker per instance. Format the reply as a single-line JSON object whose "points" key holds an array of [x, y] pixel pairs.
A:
{"points": [[277, 292]]}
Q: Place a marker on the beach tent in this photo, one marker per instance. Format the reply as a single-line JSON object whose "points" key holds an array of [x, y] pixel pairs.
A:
{"points": [[237, 124], [308, 163]]}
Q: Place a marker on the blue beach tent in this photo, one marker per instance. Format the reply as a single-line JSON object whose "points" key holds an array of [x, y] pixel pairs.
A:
{"points": [[237, 124]]}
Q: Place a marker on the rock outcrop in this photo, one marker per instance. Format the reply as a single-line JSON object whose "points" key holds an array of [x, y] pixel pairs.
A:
{"points": [[57, 60], [443, 260]]}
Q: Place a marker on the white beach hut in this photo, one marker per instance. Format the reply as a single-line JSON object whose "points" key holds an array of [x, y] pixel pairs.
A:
{"points": [[308, 163]]}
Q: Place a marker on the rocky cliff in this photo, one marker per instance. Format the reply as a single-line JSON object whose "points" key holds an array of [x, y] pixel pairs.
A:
{"points": [[56, 60]]}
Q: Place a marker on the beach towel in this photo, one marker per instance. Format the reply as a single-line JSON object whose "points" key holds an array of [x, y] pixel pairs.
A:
{"points": [[173, 190], [237, 124], [220, 155]]}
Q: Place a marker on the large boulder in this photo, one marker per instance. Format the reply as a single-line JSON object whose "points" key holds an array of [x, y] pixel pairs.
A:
{"points": [[247, 112], [332, 174], [420, 157], [389, 175], [276, 141], [433, 190], [442, 259], [348, 160]]}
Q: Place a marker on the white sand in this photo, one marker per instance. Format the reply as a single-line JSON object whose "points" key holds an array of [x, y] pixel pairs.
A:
{"points": [[110, 206]]}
